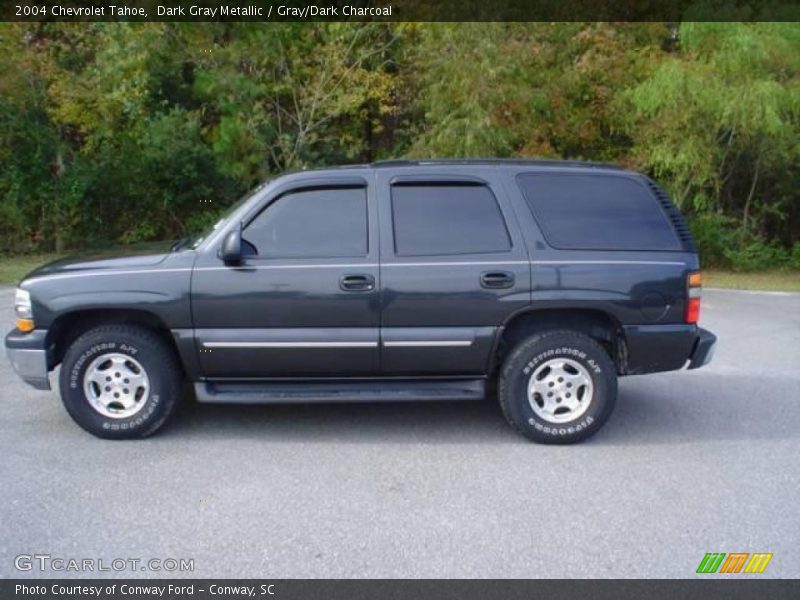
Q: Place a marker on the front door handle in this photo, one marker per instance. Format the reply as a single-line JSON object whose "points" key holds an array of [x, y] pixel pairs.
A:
{"points": [[357, 283], [497, 279]]}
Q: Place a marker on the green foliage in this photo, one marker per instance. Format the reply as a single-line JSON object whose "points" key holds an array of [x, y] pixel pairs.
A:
{"points": [[723, 243], [295, 95], [719, 120], [542, 89], [13, 230], [121, 132], [757, 255], [714, 234]]}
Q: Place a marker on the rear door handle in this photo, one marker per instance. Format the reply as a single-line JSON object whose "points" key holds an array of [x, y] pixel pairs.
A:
{"points": [[357, 283], [497, 279]]}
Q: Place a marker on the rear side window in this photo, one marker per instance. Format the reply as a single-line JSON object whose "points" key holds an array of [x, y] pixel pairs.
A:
{"points": [[591, 212], [439, 219], [316, 223]]}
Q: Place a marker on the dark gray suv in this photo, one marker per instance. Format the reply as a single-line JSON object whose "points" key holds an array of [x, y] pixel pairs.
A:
{"points": [[402, 280]]}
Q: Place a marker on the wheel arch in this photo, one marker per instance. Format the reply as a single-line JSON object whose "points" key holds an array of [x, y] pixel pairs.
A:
{"points": [[66, 328], [598, 324]]}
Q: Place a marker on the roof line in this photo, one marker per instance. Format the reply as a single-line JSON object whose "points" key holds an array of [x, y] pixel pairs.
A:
{"points": [[494, 161], [433, 162]]}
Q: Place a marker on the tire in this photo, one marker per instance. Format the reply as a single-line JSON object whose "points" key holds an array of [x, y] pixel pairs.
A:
{"points": [[557, 364], [101, 366]]}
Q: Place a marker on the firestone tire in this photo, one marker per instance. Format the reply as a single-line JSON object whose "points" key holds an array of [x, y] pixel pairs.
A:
{"points": [[557, 387], [120, 381]]}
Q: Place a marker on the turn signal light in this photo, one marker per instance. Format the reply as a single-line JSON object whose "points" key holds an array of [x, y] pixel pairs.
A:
{"points": [[694, 289], [25, 325]]}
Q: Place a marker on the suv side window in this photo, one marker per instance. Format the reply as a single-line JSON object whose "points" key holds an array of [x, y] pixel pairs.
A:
{"points": [[312, 223], [596, 212], [431, 219]]}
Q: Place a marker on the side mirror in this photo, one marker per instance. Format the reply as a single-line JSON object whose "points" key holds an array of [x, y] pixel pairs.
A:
{"points": [[231, 251]]}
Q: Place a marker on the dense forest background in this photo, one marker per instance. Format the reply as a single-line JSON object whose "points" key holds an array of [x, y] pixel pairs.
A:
{"points": [[127, 132]]}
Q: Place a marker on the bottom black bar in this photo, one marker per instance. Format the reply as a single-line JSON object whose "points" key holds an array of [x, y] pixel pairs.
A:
{"points": [[395, 589]]}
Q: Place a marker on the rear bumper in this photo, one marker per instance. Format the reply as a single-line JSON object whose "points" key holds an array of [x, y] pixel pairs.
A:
{"points": [[703, 349], [27, 353], [654, 348]]}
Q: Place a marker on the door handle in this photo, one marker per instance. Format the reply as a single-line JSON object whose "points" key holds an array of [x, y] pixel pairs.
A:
{"points": [[497, 279], [357, 283]]}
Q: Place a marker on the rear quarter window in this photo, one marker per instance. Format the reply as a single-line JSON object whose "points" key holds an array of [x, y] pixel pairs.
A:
{"points": [[596, 212]]}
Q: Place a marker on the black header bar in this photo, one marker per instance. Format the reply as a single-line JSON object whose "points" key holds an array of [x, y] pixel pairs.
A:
{"points": [[259, 11], [394, 589]]}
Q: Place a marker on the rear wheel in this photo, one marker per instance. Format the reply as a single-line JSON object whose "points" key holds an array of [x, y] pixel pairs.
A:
{"points": [[120, 381], [557, 387]]}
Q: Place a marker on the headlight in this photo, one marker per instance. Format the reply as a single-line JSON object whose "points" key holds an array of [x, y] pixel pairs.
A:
{"points": [[22, 304], [23, 310]]}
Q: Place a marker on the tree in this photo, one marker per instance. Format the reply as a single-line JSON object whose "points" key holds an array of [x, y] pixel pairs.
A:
{"points": [[294, 95], [719, 121], [533, 89], [116, 132]]}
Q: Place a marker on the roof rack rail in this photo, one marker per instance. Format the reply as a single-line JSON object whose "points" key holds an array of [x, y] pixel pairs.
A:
{"points": [[494, 161], [393, 162]]}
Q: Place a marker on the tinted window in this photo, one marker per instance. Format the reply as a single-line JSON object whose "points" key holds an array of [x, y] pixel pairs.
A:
{"points": [[312, 224], [597, 212], [447, 219]]}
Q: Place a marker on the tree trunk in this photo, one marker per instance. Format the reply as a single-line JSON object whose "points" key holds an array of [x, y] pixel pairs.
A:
{"points": [[746, 214], [58, 171]]}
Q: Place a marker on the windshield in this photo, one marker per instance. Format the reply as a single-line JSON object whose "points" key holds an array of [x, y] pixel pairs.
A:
{"points": [[197, 239]]}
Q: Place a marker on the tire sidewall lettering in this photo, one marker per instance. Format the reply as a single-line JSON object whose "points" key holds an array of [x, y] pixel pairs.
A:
{"points": [[554, 429], [565, 351]]}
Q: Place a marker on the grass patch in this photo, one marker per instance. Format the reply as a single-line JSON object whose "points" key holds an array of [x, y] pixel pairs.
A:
{"points": [[775, 281], [14, 268]]}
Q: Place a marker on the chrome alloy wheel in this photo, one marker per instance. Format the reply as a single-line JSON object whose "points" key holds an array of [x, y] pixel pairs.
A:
{"points": [[560, 390], [116, 385]]}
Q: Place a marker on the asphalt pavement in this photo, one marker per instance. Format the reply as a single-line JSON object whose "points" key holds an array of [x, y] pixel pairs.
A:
{"points": [[690, 462]]}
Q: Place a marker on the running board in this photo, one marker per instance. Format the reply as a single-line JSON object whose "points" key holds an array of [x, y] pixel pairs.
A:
{"points": [[274, 392]]}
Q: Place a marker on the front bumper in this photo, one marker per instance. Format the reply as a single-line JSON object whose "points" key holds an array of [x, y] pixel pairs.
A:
{"points": [[28, 355], [703, 349]]}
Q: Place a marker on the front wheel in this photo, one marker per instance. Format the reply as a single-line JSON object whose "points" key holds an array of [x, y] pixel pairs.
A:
{"points": [[557, 387], [120, 381]]}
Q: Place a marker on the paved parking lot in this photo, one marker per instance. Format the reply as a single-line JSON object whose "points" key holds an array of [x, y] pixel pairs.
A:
{"points": [[691, 462]]}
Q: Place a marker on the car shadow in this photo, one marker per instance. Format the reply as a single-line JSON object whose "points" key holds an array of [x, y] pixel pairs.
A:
{"points": [[666, 408], [382, 422]]}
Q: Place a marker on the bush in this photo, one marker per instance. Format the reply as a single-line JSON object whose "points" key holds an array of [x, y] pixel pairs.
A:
{"points": [[794, 256], [13, 230], [758, 255], [714, 234], [722, 243]]}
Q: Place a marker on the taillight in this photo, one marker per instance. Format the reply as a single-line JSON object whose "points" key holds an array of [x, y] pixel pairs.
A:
{"points": [[694, 289]]}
